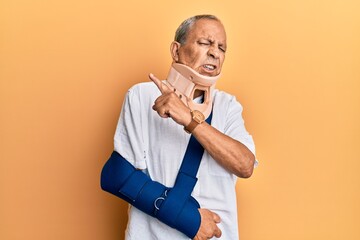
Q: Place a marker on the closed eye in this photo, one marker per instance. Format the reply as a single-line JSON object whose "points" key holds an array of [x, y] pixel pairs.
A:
{"points": [[204, 43]]}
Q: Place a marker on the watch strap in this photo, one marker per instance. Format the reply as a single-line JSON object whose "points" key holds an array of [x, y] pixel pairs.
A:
{"points": [[192, 125]]}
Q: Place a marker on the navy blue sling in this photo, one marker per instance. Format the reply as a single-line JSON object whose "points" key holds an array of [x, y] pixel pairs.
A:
{"points": [[173, 206]]}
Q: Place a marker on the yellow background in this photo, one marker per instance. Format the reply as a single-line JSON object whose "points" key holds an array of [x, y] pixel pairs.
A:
{"points": [[66, 65]]}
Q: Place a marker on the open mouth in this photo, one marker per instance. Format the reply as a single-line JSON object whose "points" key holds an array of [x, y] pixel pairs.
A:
{"points": [[209, 67]]}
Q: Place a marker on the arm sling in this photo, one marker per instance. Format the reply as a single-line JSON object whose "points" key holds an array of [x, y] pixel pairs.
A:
{"points": [[173, 206]]}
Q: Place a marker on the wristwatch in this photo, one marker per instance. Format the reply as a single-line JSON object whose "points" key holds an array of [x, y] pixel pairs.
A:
{"points": [[197, 118]]}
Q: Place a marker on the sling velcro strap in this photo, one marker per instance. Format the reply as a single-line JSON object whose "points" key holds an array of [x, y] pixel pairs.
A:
{"points": [[169, 205]]}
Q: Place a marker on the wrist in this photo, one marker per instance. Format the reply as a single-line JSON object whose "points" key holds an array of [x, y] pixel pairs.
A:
{"points": [[197, 118], [188, 118]]}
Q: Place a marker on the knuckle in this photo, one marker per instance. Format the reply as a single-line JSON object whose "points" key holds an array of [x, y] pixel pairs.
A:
{"points": [[173, 95]]}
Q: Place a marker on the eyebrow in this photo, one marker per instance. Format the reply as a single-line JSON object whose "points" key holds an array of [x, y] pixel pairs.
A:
{"points": [[211, 40]]}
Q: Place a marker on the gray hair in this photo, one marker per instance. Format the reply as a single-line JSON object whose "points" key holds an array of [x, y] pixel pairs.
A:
{"points": [[185, 26]]}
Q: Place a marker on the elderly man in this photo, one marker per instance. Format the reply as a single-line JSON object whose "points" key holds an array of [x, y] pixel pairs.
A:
{"points": [[159, 117]]}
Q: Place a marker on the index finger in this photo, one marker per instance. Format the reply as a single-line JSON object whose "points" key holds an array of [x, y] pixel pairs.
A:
{"points": [[162, 87], [217, 232]]}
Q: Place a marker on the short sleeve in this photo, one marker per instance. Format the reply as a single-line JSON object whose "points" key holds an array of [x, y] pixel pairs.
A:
{"points": [[128, 139]]}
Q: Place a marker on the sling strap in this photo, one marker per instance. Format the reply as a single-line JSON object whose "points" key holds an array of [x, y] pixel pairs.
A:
{"points": [[184, 183], [173, 206]]}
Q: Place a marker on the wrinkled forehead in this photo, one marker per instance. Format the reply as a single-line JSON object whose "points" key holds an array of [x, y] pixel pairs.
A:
{"points": [[208, 28]]}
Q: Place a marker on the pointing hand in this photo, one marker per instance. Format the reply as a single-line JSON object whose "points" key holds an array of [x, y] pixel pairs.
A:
{"points": [[169, 105]]}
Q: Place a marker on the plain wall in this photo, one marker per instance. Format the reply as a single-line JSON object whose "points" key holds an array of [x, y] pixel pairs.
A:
{"points": [[65, 67]]}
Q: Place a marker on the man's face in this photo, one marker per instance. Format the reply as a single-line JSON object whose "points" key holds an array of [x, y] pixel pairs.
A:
{"points": [[205, 47]]}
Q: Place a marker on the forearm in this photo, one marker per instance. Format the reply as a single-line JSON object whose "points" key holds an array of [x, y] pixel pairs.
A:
{"points": [[229, 153], [120, 178]]}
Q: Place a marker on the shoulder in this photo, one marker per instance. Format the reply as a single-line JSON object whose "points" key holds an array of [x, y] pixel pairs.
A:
{"points": [[226, 109], [143, 87], [143, 91], [224, 99]]}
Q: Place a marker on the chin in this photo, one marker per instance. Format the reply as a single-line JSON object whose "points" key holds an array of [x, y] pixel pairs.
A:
{"points": [[209, 74]]}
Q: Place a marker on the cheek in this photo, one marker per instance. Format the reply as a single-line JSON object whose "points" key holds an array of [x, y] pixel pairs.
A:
{"points": [[222, 60], [189, 56]]}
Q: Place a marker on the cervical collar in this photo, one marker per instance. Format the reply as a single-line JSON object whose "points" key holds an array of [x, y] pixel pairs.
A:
{"points": [[186, 81]]}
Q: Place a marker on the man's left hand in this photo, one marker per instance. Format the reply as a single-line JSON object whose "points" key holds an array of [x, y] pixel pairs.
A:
{"points": [[169, 104]]}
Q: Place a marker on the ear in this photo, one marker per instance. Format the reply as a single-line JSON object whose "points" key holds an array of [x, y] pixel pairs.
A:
{"points": [[174, 50]]}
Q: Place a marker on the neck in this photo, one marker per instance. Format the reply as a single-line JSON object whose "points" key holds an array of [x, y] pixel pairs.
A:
{"points": [[190, 84], [198, 94]]}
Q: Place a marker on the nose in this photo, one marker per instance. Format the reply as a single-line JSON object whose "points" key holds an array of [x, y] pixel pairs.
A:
{"points": [[214, 52]]}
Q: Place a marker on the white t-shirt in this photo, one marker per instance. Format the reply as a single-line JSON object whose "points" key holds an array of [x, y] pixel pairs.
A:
{"points": [[158, 145]]}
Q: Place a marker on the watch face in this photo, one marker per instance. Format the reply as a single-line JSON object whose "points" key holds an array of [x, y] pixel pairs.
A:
{"points": [[198, 116]]}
